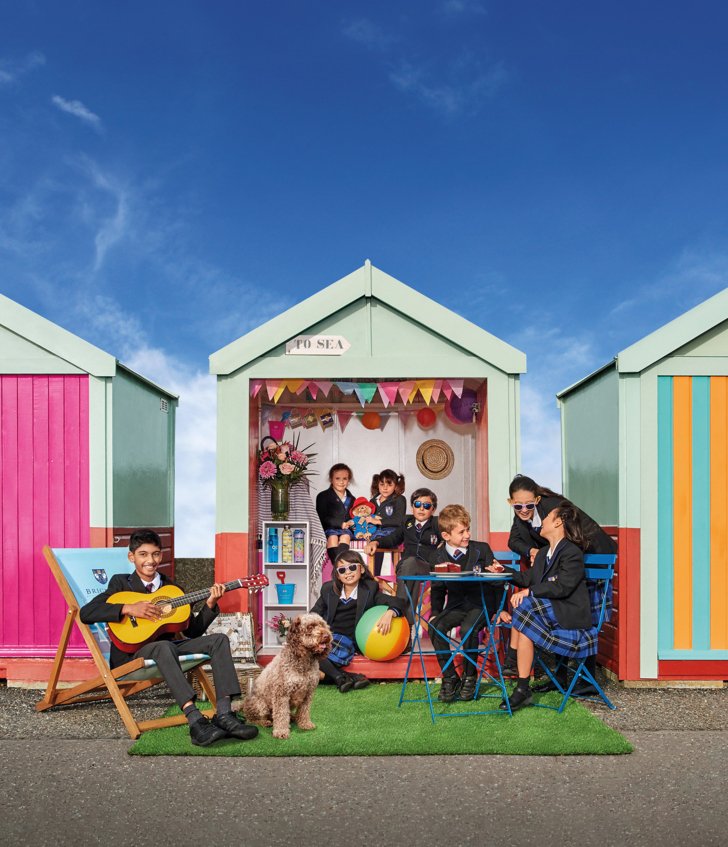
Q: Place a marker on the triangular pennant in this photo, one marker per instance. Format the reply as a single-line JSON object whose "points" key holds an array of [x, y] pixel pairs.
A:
{"points": [[281, 389], [413, 393], [405, 389], [313, 390], [271, 386], [384, 421], [345, 387], [388, 392], [324, 386], [436, 389], [368, 390], [302, 387], [343, 418], [295, 384], [457, 386], [426, 387], [446, 390], [359, 393], [255, 387]]}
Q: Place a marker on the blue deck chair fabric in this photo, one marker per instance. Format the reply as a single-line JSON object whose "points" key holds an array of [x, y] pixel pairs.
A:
{"points": [[82, 573]]}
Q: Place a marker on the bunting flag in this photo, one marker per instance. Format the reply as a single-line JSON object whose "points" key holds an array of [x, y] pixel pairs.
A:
{"points": [[343, 418], [457, 386], [426, 388], [436, 389], [446, 390], [255, 387], [313, 390], [388, 392], [279, 392], [365, 391], [324, 386], [405, 389], [295, 384], [345, 387], [413, 393], [272, 387], [301, 388]]}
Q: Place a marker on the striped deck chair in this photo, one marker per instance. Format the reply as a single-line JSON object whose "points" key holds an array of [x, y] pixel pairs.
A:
{"points": [[81, 573]]}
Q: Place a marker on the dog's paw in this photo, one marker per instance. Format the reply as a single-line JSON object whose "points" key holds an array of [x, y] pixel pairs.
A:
{"points": [[306, 725], [265, 722], [281, 733]]}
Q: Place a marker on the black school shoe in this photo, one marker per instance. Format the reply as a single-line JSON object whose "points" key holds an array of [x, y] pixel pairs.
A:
{"points": [[344, 682], [467, 689], [360, 681], [234, 726], [203, 733], [449, 689], [517, 700]]}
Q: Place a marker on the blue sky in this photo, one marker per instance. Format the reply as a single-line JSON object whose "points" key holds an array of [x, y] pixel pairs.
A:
{"points": [[174, 174]]}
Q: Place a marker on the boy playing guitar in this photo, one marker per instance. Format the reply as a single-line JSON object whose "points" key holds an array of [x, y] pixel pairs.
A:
{"points": [[145, 553]]}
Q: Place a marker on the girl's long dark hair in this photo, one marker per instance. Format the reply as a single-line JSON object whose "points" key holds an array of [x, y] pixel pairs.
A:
{"points": [[571, 521], [388, 475], [521, 482]]}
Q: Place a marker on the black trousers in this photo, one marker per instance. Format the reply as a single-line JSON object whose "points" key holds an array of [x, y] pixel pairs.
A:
{"points": [[411, 566], [448, 620], [166, 654]]}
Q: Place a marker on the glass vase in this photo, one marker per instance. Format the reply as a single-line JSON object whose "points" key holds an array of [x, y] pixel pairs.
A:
{"points": [[279, 499]]}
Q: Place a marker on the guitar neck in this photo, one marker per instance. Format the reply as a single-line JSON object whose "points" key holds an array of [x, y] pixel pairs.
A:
{"points": [[203, 594]]}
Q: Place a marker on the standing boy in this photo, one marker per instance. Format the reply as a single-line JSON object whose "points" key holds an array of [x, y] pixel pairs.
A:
{"points": [[464, 603], [145, 553]]}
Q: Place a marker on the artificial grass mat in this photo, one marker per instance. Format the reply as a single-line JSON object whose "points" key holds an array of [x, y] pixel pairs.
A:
{"points": [[369, 723]]}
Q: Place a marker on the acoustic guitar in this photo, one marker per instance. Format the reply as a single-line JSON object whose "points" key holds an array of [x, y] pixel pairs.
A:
{"points": [[130, 633]]}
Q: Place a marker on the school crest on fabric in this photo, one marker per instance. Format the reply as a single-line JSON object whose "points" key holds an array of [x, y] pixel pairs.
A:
{"points": [[433, 540], [389, 511], [100, 575]]}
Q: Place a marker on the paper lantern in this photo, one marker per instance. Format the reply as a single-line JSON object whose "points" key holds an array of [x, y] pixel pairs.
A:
{"points": [[374, 645], [426, 418], [371, 420], [460, 409]]}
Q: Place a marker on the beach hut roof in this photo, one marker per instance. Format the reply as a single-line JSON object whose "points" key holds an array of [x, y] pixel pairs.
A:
{"points": [[367, 282], [666, 340], [61, 343]]}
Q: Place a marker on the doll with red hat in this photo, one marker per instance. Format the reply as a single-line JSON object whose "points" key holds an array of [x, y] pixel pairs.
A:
{"points": [[359, 513]]}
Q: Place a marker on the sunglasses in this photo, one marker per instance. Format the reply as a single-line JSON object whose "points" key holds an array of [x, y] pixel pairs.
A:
{"points": [[527, 506], [418, 504], [344, 568]]}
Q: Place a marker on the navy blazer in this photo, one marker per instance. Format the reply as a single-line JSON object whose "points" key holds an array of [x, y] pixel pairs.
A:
{"points": [[331, 511], [368, 595], [465, 595], [523, 536], [99, 610], [562, 581]]}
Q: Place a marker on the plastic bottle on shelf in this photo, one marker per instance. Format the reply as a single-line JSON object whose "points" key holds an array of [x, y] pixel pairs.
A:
{"points": [[299, 546], [287, 545], [272, 544]]}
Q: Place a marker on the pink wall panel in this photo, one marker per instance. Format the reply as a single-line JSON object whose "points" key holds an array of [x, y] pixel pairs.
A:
{"points": [[44, 499]]}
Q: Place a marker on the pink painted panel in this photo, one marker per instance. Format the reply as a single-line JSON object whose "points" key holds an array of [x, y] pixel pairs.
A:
{"points": [[44, 499]]}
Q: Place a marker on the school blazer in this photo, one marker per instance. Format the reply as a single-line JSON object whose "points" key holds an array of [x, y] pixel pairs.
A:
{"points": [[331, 511], [466, 595], [523, 536], [562, 581], [423, 544], [99, 610], [368, 595]]}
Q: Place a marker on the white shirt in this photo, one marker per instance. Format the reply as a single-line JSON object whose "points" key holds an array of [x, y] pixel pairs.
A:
{"points": [[451, 550], [353, 594], [155, 583]]}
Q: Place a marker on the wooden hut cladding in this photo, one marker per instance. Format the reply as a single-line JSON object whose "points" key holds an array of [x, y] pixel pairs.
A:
{"points": [[389, 353], [646, 449], [86, 453]]}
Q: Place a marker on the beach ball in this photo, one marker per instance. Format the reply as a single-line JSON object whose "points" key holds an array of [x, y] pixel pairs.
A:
{"points": [[374, 645], [371, 420], [426, 418]]}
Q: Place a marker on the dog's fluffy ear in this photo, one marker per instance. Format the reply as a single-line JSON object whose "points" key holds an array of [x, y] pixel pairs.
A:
{"points": [[295, 628]]}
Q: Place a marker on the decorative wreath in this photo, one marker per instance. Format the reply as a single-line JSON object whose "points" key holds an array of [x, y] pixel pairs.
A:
{"points": [[435, 459]]}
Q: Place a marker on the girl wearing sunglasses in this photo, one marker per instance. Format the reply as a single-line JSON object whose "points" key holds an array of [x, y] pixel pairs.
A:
{"points": [[531, 503], [342, 602]]}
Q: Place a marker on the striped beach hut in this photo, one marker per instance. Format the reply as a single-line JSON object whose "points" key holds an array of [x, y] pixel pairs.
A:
{"points": [[86, 455], [645, 443]]}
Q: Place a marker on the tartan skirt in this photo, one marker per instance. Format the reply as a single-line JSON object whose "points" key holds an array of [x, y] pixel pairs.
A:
{"points": [[535, 618]]}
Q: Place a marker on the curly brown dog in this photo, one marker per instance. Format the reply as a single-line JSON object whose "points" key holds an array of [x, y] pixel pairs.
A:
{"points": [[285, 688]]}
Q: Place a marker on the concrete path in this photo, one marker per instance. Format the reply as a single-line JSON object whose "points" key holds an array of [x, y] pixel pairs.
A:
{"points": [[672, 790]]}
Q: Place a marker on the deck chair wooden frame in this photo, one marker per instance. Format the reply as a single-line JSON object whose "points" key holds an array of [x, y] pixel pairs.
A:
{"points": [[387, 584], [117, 684]]}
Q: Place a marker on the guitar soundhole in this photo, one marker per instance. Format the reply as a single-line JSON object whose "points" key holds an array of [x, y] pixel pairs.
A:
{"points": [[165, 606]]}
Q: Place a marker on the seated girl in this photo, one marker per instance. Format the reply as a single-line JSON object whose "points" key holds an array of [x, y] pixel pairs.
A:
{"points": [[333, 505]]}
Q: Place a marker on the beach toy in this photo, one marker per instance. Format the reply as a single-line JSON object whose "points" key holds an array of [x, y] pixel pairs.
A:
{"points": [[374, 645], [285, 592]]}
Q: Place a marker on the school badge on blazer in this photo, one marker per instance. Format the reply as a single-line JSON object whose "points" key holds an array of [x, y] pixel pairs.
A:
{"points": [[100, 575]]}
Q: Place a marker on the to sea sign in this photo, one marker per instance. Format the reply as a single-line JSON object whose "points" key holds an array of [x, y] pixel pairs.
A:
{"points": [[317, 345]]}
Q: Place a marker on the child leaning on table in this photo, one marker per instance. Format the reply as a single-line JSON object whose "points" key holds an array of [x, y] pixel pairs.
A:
{"points": [[342, 602], [459, 604]]}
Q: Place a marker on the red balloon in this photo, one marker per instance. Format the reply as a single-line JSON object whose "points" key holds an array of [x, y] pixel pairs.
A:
{"points": [[426, 418], [371, 420]]}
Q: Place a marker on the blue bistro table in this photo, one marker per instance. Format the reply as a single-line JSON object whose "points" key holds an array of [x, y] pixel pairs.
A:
{"points": [[485, 677]]}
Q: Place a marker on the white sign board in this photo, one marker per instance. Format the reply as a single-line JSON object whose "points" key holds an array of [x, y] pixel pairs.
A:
{"points": [[317, 345]]}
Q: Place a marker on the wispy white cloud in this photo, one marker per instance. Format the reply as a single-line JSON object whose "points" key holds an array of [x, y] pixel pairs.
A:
{"points": [[463, 87], [78, 110], [12, 70], [366, 32]]}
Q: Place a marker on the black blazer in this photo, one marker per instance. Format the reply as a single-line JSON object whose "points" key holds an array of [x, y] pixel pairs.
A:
{"points": [[562, 581], [392, 510], [331, 511], [423, 544], [523, 536], [99, 610], [465, 595], [368, 595]]}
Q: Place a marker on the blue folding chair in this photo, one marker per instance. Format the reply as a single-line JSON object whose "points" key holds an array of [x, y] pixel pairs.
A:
{"points": [[599, 572]]}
